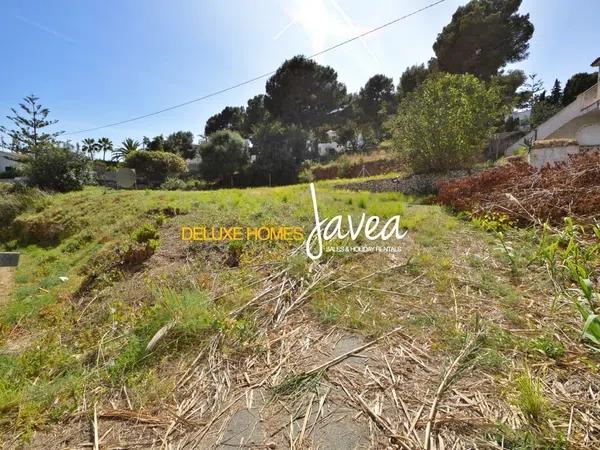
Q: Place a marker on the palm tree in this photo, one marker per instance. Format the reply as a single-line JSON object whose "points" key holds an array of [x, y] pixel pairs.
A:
{"points": [[127, 146], [105, 145], [90, 146]]}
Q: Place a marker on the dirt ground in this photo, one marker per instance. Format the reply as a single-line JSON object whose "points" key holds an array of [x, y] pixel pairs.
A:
{"points": [[6, 283]]}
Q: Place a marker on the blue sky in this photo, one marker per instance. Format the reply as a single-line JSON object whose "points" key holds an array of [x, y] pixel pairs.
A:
{"points": [[96, 62]]}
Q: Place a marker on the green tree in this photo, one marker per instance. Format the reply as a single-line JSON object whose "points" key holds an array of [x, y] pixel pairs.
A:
{"points": [[30, 122], [376, 101], [181, 143], [534, 91], [304, 92], [482, 37], [230, 118], [105, 145], [256, 113], [279, 151], [556, 93], [223, 154], [90, 146], [578, 83], [57, 169], [127, 146], [446, 122], [412, 78], [509, 83], [156, 144]]}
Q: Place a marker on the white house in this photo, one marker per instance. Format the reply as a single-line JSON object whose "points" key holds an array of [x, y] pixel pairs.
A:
{"points": [[577, 125], [326, 148], [8, 161]]}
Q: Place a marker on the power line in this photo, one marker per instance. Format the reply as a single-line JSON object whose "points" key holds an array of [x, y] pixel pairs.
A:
{"points": [[264, 75]]}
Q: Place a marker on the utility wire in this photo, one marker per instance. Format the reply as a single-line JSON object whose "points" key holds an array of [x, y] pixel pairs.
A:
{"points": [[264, 75]]}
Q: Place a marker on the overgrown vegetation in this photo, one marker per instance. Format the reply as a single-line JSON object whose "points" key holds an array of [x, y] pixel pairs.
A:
{"points": [[444, 124]]}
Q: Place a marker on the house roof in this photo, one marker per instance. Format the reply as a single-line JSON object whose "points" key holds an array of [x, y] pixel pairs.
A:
{"points": [[11, 155], [596, 62]]}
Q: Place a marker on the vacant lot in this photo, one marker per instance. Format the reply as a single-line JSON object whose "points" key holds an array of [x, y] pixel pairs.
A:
{"points": [[120, 335]]}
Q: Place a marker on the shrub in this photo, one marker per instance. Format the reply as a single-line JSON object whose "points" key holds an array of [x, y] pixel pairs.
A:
{"points": [[57, 169], [10, 174], [155, 166], [195, 185], [446, 122], [173, 184], [306, 175], [145, 233]]}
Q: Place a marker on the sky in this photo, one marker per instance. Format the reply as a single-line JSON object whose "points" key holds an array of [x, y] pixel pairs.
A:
{"points": [[98, 62]]}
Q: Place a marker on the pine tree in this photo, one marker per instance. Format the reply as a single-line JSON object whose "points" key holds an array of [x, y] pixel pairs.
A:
{"points": [[28, 136], [556, 93]]}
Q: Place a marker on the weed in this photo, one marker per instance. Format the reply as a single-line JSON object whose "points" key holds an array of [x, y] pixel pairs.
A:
{"points": [[551, 347], [530, 398], [296, 383], [145, 233]]}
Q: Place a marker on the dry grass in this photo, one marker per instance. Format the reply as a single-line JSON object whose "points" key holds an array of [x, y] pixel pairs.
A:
{"points": [[421, 349]]}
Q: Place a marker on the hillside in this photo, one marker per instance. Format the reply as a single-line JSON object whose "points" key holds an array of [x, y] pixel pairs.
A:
{"points": [[118, 334]]}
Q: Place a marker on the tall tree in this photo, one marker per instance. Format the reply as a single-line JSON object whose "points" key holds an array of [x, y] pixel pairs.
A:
{"points": [[182, 143], [29, 136], [578, 83], [157, 144], [304, 92], [534, 91], [376, 101], [279, 150], [90, 146], [230, 118], [105, 145], [127, 146], [482, 37], [223, 154], [556, 93], [256, 114]]}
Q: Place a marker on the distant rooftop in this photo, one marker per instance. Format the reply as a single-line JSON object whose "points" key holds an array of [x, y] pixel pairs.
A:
{"points": [[596, 62]]}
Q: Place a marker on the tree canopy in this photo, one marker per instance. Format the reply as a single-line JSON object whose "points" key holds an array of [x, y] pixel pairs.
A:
{"points": [[482, 37], [256, 114], [304, 93], [30, 122], [181, 143], [279, 151], [412, 78], [376, 100], [578, 83], [230, 118], [223, 154], [446, 122]]}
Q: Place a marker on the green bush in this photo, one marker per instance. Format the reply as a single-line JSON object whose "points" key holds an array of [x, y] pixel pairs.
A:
{"points": [[195, 185], [57, 169], [145, 233], [156, 166], [10, 174], [173, 184], [446, 122], [306, 176]]}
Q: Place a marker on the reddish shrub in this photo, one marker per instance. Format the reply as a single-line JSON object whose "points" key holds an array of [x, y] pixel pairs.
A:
{"points": [[570, 188]]}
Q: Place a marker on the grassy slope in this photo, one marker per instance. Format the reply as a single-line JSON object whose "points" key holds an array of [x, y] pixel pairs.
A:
{"points": [[64, 345]]}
